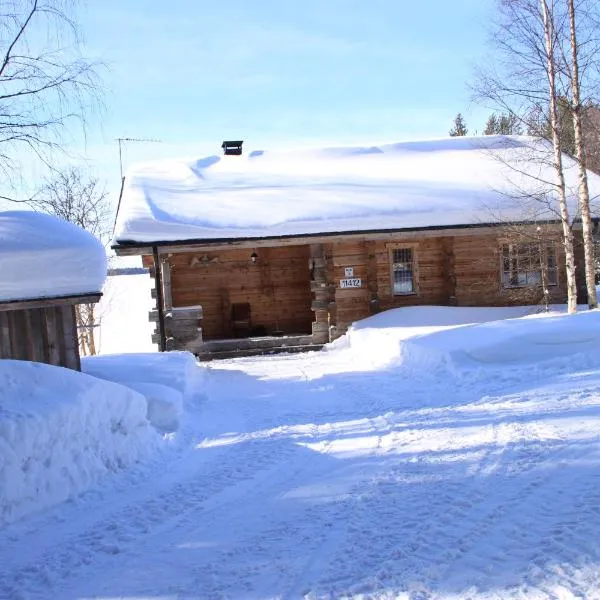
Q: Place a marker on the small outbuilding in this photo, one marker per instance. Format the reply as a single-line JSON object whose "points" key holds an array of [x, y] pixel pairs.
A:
{"points": [[47, 267]]}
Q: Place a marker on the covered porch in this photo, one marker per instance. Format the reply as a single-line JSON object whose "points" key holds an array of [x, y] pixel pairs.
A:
{"points": [[227, 302]]}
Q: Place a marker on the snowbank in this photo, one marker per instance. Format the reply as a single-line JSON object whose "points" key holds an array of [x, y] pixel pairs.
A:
{"points": [[425, 338], [165, 404], [60, 432], [165, 379], [41, 255], [444, 182], [516, 342]]}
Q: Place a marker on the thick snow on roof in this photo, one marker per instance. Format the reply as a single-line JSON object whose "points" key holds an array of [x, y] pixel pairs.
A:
{"points": [[43, 256], [445, 182]]}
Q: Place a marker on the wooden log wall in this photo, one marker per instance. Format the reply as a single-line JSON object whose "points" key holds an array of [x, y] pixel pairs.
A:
{"points": [[351, 304], [296, 289], [277, 287], [46, 335], [478, 272], [450, 270]]}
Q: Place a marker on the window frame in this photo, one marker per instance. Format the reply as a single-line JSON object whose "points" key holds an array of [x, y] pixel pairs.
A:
{"points": [[414, 247], [518, 286]]}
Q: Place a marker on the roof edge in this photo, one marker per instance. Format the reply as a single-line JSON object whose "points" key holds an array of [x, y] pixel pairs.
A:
{"points": [[132, 244]]}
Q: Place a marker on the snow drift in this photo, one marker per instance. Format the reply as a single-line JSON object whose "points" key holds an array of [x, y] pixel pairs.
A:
{"points": [[60, 432], [166, 380], [427, 338], [44, 256]]}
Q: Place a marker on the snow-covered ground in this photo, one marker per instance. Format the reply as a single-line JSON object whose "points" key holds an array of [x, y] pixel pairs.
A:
{"points": [[122, 315], [417, 458]]}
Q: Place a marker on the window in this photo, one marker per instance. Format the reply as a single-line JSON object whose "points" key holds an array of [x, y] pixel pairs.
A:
{"points": [[522, 265], [403, 271]]}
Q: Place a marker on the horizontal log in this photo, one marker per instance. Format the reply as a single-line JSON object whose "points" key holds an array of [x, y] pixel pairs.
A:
{"points": [[319, 305], [320, 337], [186, 312], [321, 285]]}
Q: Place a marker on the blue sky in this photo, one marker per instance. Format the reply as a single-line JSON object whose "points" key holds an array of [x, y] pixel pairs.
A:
{"points": [[278, 72]]}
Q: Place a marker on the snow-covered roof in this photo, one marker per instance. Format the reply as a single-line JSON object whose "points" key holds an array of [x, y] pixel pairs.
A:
{"points": [[445, 182], [42, 256]]}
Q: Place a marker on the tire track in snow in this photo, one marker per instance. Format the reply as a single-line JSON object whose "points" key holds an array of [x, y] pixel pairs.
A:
{"points": [[128, 526]]}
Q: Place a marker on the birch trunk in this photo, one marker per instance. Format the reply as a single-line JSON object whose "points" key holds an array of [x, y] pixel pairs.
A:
{"points": [[548, 20], [584, 193]]}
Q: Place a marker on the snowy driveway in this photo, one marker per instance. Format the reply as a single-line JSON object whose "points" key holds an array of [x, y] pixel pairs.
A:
{"points": [[334, 475]]}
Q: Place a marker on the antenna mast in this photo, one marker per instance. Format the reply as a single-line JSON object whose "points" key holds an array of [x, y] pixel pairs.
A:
{"points": [[128, 139]]}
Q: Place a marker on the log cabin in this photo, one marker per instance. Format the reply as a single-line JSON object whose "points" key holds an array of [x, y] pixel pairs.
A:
{"points": [[285, 250]]}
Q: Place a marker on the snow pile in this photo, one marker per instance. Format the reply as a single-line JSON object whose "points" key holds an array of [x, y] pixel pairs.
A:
{"points": [[428, 337], [122, 314], [165, 379], [165, 404], [378, 341], [444, 182], [43, 256], [517, 342], [61, 432]]}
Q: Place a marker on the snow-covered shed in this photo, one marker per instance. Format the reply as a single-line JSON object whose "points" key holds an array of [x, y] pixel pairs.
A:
{"points": [[295, 245], [47, 267]]}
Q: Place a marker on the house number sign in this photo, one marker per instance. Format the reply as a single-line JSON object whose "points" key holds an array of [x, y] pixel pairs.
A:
{"points": [[350, 283]]}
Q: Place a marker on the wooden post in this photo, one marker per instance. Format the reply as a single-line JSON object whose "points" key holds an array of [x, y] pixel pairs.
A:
{"points": [[166, 283], [159, 301], [372, 279], [449, 274], [71, 343], [321, 294]]}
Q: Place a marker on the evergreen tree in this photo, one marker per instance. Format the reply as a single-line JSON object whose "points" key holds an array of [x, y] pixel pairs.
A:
{"points": [[460, 127], [491, 126], [508, 124], [505, 124]]}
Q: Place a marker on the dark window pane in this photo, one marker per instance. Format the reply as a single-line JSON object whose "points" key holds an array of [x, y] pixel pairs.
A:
{"points": [[402, 268]]}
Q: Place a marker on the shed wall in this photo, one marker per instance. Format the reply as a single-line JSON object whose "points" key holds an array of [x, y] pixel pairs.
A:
{"points": [[46, 335]]}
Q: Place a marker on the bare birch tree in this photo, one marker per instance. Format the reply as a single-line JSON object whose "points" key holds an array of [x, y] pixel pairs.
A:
{"points": [[76, 197], [580, 154], [548, 21], [45, 85], [526, 77]]}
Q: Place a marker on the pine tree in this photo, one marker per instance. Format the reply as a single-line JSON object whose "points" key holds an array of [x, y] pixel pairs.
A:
{"points": [[460, 127], [508, 124], [505, 124], [491, 126]]}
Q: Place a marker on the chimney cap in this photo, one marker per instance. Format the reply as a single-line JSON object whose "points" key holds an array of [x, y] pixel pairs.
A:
{"points": [[232, 147]]}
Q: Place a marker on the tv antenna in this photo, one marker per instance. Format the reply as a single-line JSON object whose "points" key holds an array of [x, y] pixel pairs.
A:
{"points": [[122, 140]]}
